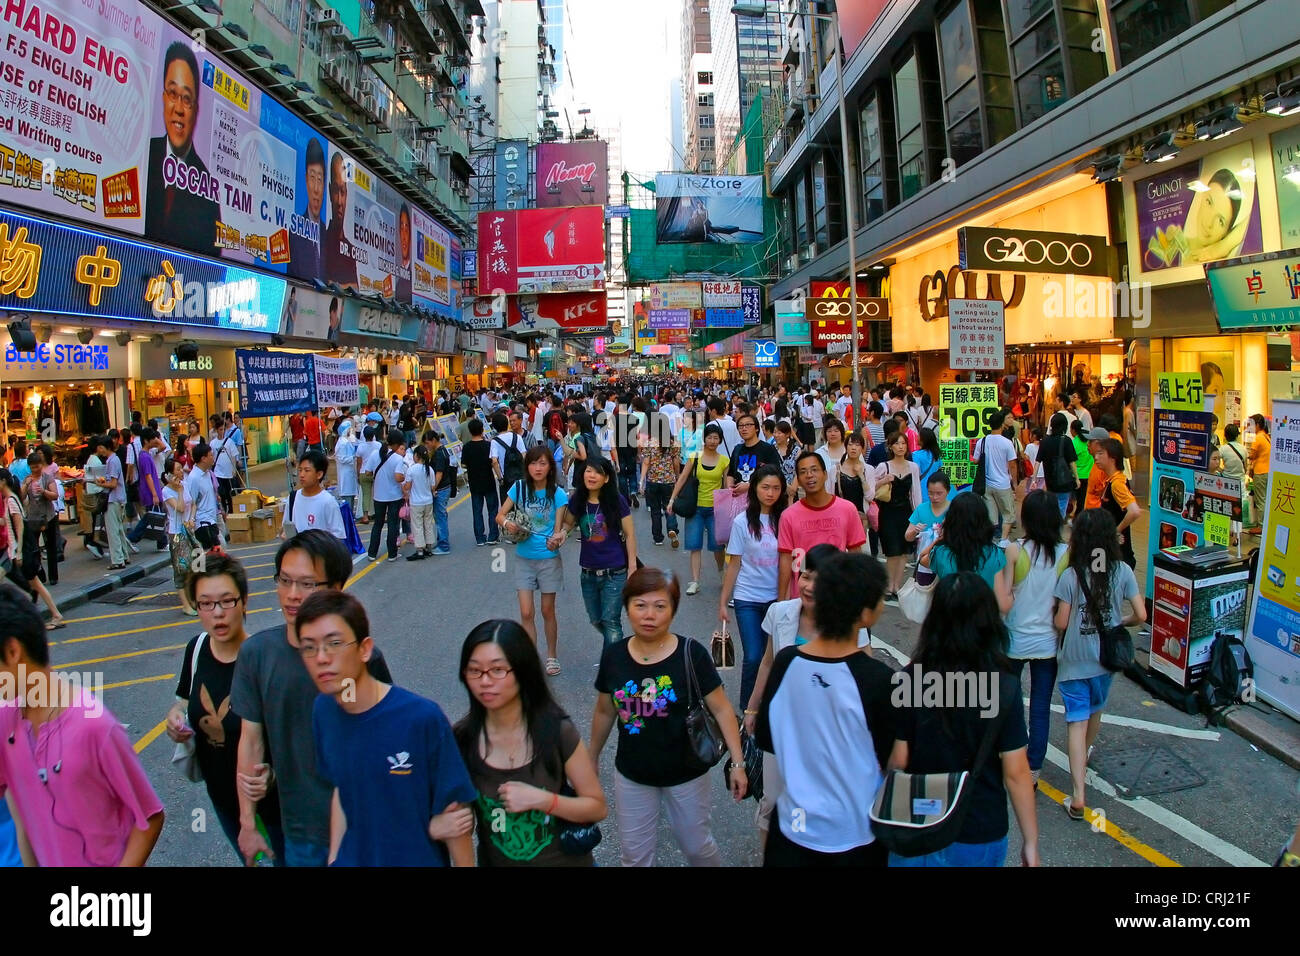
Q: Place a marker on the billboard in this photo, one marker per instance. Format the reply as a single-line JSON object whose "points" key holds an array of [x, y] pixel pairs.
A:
{"points": [[1236, 286], [723, 209], [574, 312], [511, 174], [311, 315], [572, 174], [541, 250], [128, 122], [676, 295], [484, 313]]}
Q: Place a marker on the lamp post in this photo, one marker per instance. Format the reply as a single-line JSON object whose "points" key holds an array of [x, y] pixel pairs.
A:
{"points": [[758, 11]]}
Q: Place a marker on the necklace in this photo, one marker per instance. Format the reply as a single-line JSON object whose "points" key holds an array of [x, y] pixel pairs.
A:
{"points": [[514, 750], [645, 658]]}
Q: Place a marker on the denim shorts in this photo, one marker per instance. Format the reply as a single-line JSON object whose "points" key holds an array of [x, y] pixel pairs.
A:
{"points": [[696, 527], [1085, 696]]}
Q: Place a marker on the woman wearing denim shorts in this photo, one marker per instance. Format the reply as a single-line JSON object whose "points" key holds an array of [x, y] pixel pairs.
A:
{"points": [[710, 467]]}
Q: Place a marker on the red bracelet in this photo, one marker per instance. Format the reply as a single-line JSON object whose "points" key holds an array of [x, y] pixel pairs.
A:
{"points": [[555, 802]]}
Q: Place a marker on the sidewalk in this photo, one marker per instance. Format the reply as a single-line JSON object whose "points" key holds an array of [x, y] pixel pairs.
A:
{"points": [[83, 577]]}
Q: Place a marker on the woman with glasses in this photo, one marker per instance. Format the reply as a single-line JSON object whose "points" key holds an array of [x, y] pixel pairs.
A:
{"points": [[202, 713], [523, 753]]}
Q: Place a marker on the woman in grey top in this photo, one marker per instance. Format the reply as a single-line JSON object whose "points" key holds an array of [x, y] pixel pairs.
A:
{"points": [[1089, 600]]}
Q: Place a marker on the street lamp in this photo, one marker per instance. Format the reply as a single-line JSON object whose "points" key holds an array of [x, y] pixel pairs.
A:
{"points": [[758, 11]]}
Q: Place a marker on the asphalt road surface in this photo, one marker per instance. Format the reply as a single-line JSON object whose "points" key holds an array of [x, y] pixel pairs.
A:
{"points": [[421, 611]]}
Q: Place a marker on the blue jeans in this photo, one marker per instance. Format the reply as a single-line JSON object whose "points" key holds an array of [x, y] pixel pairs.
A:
{"points": [[656, 499], [386, 512], [301, 853], [603, 596], [230, 827], [478, 501], [1063, 501], [753, 642], [958, 854], [1042, 679], [440, 518]]}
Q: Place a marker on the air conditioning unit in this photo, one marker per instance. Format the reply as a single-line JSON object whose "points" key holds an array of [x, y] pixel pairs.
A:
{"points": [[368, 103], [326, 16], [365, 86], [792, 263], [346, 84], [444, 150]]}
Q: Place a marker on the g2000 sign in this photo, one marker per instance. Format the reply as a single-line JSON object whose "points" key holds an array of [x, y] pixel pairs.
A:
{"points": [[1022, 250]]}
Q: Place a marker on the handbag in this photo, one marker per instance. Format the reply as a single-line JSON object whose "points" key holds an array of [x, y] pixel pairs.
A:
{"points": [[156, 527], [977, 486], [1115, 643], [706, 744], [404, 512], [914, 598], [919, 813], [520, 517], [727, 509], [686, 503], [753, 758], [723, 649], [885, 492], [184, 757], [873, 516], [576, 839]]}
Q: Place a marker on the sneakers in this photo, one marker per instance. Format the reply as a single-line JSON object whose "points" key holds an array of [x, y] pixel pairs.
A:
{"points": [[96, 551], [693, 587], [480, 544], [659, 543], [372, 558], [392, 559], [134, 548], [439, 552], [892, 598], [672, 538]]}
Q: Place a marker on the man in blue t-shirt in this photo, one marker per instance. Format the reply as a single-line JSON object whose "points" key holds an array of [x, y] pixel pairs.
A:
{"points": [[402, 794]]}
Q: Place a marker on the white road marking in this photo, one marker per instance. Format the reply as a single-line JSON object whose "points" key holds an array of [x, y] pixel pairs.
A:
{"points": [[1191, 733]]}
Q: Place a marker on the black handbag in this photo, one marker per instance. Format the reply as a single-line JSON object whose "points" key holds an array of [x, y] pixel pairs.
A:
{"points": [[156, 527], [687, 501], [753, 757], [576, 839], [1115, 643], [723, 649], [978, 484], [702, 731]]}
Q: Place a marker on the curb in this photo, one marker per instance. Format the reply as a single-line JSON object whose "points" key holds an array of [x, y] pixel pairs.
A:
{"points": [[1274, 740], [111, 582]]}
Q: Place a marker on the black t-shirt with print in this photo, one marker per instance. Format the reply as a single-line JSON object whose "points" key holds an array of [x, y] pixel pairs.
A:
{"points": [[948, 739], [650, 703], [521, 839], [216, 729], [746, 460]]}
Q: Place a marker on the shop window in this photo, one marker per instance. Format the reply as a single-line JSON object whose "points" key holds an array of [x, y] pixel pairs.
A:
{"points": [[917, 115], [1143, 25], [872, 161], [1052, 52]]}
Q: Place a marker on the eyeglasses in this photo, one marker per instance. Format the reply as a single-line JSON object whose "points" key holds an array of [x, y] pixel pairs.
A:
{"points": [[311, 648], [225, 603], [289, 583], [496, 673], [174, 96]]}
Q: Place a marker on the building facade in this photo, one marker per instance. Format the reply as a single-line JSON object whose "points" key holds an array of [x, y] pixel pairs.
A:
{"points": [[698, 132], [746, 65]]}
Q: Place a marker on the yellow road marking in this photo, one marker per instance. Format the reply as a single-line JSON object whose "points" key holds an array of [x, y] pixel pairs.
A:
{"points": [[189, 621], [1104, 824], [120, 657], [150, 737], [139, 680], [151, 610]]}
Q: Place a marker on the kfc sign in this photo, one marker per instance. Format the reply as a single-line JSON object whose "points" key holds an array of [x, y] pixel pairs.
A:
{"points": [[564, 312]]}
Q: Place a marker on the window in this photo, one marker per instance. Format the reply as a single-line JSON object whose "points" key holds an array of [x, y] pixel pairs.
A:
{"points": [[1052, 55], [706, 121], [706, 165], [979, 106], [911, 139], [704, 99], [706, 143], [704, 79], [873, 181], [1143, 25], [821, 230], [800, 212]]}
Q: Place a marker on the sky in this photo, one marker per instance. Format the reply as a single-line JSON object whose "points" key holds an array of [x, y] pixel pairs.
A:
{"points": [[623, 55]]}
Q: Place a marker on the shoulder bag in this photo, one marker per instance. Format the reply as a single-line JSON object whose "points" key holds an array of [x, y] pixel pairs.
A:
{"points": [[1116, 644], [687, 501], [914, 598], [919, 813], [723, 650], [704, 736], [753, 758], [519, 515], [978, 484], [184, 757], [885, 490]]}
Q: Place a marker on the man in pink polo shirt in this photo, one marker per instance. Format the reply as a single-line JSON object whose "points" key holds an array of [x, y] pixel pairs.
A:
{"points": [[820, 518], [79, 792]]}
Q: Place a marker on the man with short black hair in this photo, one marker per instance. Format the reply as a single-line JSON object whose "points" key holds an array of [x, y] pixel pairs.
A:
{"points": [[80, 793], [309, 505], [1000, 475], [273, 694], [114, 483], [202, 494]]}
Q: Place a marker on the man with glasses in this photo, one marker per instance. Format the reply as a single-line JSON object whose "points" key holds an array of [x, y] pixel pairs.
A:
{"points": [[273, 694], [398, 777], [181, 203], [750, 455]]}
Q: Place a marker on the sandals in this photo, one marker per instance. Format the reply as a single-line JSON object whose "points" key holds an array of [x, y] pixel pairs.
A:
{"points": [[552, 666], [55, 623], [1071, 811]]}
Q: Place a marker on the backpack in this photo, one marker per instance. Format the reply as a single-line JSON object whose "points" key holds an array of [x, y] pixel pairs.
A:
{"points": [[1057, 470], [512, 462], [1230, 669]]}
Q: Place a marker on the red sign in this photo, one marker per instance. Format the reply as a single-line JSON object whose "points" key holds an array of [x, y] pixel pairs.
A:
{"points": [[673, 336], [569, 311], [572, 174], [541, 250]]}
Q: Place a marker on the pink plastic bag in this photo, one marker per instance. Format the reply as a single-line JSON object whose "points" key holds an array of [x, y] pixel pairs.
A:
{"points": [[726, 507], [873, 516]]}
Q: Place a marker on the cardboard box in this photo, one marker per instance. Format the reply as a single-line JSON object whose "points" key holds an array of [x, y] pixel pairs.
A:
{"points": [[237, 522], [262, 525], [240, 537], [247, 501]]}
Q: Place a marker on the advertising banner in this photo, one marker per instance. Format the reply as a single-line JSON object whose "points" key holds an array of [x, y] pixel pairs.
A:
{"points": [[1182, 438], [751, 304], [792, 328], [511, 174], [274, 383], [572, 174], [1187, 617], [1273, 634], [669, 319], [370, 320], [1257, 292], [542, 250], [694, 208], [429, 256], [336, 382], [676, 295], [1008, 249], [1181, 391], [1200, 211], [312, 315], [63, 358], [721, 295], [1176, 519], [766, 354], [572, 312], [1286, 164], [484, 313], [68, 271], [964, 414], [674, 337], [123, 120], [976, 334], [724, 318]]}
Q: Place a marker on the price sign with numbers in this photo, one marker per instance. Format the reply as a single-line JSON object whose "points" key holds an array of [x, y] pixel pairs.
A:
{"points": [[965, 411]]}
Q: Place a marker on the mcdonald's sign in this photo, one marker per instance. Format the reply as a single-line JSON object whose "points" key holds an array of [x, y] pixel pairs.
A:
{"points": [[827, 312]]}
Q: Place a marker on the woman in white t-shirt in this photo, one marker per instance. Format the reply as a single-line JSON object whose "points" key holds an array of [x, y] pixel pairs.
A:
{"points": [[751, 577], [176, 504], [419, 491]]}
